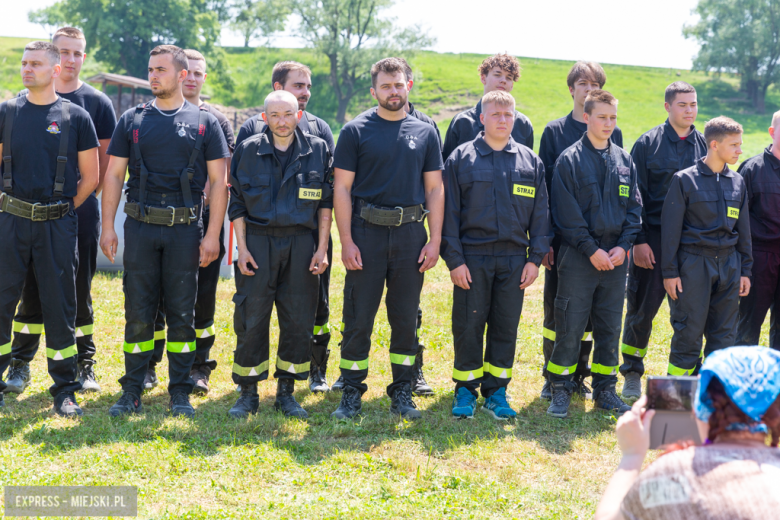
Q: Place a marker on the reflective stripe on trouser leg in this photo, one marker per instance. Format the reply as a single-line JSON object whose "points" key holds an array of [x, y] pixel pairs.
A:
{"points": [[633, 351], [297, 291], [28, 328]]}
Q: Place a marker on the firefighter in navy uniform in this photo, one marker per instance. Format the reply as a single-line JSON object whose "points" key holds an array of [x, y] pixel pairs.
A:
{"points": [[496, 232], [28, 322], [208, 277], [499, 72], [706, 260], [762, 181], [172, 148], [387, 174], [50, 167], [279, 194], [558, 135], [295, 78], [596, 208], [658, 155]]}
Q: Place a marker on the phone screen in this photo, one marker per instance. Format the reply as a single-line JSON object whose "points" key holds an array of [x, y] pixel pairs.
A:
{"points": [[673, 393]]}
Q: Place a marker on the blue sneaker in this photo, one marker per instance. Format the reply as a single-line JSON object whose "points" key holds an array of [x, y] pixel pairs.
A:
{"points": [[464, 404], [497, 406]]}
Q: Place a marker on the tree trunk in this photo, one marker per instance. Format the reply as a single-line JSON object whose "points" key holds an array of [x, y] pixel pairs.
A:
{"points": [[759, 102], [341, 115]]}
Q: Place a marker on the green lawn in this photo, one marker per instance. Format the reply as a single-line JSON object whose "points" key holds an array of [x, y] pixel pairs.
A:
{"points": [[448, 81], [269, 467]]}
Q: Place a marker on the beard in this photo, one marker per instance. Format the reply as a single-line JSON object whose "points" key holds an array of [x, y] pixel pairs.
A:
{"points": [[393, 106], [283, 134], [165, 93]]}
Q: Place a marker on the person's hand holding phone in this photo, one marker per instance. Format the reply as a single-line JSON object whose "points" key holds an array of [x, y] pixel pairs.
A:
{"points": [[633, 431]]}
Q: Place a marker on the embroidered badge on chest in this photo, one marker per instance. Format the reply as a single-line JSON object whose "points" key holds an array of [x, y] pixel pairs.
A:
{"points": [[309, 194], [733, 212], [624, 190], [524, 191], [54, 128]]}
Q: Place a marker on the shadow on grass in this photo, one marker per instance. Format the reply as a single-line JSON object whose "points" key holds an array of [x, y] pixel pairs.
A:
{"points": [[307, 442]]}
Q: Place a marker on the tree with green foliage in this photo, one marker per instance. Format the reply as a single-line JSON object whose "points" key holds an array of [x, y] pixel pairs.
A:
{"points": [[50, 18], [124, 31], [353, 35], [258, 19], [741, 36]]}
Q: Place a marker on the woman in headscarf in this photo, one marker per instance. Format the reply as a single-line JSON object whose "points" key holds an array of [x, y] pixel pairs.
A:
{"points": [[734, 475]]}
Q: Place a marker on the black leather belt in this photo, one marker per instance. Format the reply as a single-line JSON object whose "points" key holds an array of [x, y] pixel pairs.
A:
{"points": [[163, 216], [37, 212], [381, 216], [708, 251]]}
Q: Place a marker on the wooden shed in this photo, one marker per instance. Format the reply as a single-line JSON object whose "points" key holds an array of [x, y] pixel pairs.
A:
{"points": [[121, 82]]}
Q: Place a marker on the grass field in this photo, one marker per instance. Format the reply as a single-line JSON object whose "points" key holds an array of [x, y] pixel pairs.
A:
{"points": [[375, 468], [445, 82]]}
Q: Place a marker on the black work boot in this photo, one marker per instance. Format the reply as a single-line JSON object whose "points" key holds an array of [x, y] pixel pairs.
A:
{"points": [[319, 365], [200, 375], [87, 376], [561, 398], [18, 377], [350, 405], [65, 405], [150, 379], [180, 405], [128, 404], [338, 386], [546, 390], [582, 389], [420, 387], [402, 404], [247, 404], [285, 401], [608, 399]]}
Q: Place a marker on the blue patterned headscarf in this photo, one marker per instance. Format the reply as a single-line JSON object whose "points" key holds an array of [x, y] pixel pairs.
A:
{"points": [[750, 376]]}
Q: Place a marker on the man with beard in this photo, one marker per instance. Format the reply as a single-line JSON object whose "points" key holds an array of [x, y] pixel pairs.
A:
{"points": [[208, 277], [295, 78], [280, 194], [28, 323], [387, 178], [49, 168], [172, 148]]}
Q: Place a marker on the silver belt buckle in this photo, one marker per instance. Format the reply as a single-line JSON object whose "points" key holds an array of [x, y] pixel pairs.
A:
{"points": [[401, 216], [173, 215]]}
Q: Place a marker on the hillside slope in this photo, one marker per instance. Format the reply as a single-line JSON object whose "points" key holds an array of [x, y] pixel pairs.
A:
{"points": [[446, 83]]}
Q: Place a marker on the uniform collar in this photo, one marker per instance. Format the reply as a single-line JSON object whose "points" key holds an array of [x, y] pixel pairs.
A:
{"points": [[671, 133], [412, 110], [484, 149], [301, 145], [705, 170], [770, 158], [586, 141], [477, 112]]}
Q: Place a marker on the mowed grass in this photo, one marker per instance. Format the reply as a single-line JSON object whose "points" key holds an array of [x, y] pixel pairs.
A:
{"points": [[375, 467]]}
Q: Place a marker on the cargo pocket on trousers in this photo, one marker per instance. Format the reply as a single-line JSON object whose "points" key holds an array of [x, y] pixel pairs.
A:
{"points": [[560, 316], [239, 317]]}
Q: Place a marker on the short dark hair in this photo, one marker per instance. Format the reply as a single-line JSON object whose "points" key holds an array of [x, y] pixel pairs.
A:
{"points": [[678, 87], [179, 58], [505, 61], [194, 55], [52, 51], [598, 96], [69, 32], [588, 70], [283, 69], [388, 66], [719, 128], [407, 69]]}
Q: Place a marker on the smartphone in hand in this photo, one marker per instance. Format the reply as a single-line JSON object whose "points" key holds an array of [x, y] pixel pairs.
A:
{"points": [[672, 398]]}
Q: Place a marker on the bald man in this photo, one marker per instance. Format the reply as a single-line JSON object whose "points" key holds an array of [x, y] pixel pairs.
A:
{"points": [[279, 195]]}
